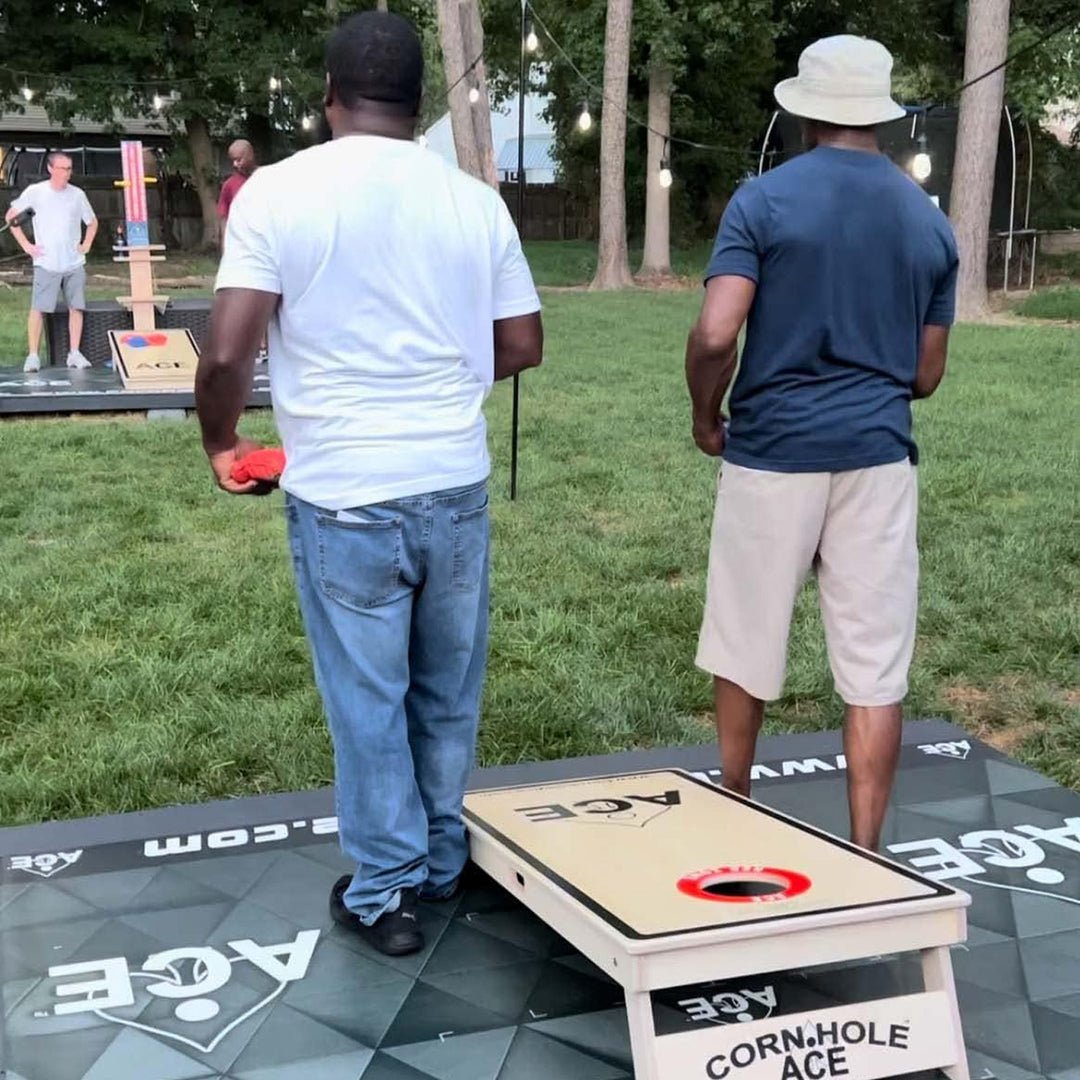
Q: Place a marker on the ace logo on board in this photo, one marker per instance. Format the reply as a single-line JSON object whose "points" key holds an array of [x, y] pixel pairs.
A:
{"points": [[187, 995], [632, 811]]}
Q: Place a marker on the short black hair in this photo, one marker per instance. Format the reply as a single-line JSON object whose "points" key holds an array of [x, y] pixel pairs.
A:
{"points": [[377, 56]]}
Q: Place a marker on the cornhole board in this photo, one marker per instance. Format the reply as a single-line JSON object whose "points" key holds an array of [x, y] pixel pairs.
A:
{"points": [[664, 880], [155, 359]]}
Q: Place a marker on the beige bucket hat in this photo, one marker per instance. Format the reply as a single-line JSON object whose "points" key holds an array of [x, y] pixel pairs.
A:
{"points": [[843, 80]]}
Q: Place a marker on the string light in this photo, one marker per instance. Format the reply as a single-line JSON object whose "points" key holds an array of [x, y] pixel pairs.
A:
{"points": [[921, 165], [584, 121], [532, 42], [306, 123], [28, 93], [666, 179], [275, 84], [474, 95], [158, 102]]}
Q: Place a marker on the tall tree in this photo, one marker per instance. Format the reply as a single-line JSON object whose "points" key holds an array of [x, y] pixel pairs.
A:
{"points": [[976, 149], [462, 37], [656, 259], [613, 262]]}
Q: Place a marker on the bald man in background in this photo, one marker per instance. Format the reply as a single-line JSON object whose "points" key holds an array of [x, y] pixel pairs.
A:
{"points": [[242, 156]]}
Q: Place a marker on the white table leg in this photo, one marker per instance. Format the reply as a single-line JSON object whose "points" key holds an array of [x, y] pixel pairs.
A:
{"points": [[938, 975], [642, 1034]]}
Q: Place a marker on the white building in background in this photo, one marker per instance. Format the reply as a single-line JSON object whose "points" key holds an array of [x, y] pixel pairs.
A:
{"points": [[540, 166]]}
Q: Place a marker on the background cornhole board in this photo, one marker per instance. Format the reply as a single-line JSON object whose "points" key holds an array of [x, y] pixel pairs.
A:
{"points": [[620, 867], [161, 359]]}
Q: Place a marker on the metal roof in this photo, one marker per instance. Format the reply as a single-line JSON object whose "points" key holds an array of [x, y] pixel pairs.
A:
{"points": [[538, 154], [34, 119]]}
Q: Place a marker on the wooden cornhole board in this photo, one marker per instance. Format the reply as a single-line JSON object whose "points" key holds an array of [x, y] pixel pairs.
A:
{"points": [[660, 879], [155, 359]]}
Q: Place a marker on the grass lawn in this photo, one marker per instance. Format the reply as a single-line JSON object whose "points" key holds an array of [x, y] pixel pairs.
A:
{"points": [[1061, 303], [151, 649]]}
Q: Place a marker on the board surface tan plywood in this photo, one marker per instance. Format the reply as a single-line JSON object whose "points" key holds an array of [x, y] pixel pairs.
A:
{"points": [[647, 852], [160, 359]]}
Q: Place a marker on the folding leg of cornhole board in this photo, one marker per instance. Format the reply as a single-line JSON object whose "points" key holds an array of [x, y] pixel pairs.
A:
{"points": [[663, 880], [145, 356]]}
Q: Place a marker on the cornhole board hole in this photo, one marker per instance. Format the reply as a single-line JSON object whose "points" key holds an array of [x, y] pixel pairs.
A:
{"points": [[663, 880], [160, 359]]}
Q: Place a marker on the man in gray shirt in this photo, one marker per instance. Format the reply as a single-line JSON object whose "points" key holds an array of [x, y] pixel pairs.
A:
{"points": [[59, 253]]}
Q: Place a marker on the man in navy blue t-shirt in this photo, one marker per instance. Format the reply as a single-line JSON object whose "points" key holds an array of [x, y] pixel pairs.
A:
{"points": [[844, 273]]}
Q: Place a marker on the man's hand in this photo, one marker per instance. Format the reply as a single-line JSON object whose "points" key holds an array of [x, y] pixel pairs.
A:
{"points": [[84, 249], [222, 462], [35, 251], [710, 440]]}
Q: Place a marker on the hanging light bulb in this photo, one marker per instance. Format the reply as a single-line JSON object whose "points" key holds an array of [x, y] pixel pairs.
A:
{"points": [[921, 166], [306, 123], [666, 179], [584, 121], [275, 84], [532, 42], [474, 95], [158, 102], [28, 93]]}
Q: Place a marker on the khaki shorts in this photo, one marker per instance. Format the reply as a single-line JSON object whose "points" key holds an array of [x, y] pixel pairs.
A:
{"points": [[48, 286], [857, 531]]}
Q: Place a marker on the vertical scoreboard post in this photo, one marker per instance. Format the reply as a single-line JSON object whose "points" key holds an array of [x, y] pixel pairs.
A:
{"points": [[137, 252]]}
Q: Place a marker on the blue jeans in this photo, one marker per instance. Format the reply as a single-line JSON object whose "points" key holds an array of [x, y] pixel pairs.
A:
{"points": [[395, 604]]}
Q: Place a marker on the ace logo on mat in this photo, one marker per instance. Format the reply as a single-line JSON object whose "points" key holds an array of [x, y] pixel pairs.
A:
{"points": [[1030, 859], [635, 811], [44, 865], [187, 995]]}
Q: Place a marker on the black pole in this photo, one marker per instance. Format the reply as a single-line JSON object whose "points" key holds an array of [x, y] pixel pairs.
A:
{"points": [[521, 232]]}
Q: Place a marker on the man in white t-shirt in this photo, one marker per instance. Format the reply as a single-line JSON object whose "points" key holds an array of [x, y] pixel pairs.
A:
{"points": [[396, 293], [59, 253]]}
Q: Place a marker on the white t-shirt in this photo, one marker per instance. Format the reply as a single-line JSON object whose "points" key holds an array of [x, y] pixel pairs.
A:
{"points": [[392, 266], [57, 224]]}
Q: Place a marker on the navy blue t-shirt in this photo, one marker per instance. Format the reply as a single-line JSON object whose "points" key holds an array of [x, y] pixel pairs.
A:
{"points": [[851, 260]]}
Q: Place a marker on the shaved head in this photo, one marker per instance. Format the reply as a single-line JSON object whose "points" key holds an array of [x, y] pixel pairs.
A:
{"points": [[242, 156]]}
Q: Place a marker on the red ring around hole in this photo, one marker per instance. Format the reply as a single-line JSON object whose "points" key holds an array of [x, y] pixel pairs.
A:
{"points": [[694, 885]]}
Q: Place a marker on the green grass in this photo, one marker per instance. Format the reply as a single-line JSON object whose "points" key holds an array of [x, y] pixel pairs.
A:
{"points": [[1058, 303], [573, 262], [151, 650]]}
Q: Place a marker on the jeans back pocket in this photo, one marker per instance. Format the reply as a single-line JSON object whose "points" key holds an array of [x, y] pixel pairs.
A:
{"points": [[470, 546], [359, 561]]}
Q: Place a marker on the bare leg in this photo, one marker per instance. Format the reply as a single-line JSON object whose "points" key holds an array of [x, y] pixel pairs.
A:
{"points": [[75, 325], [33, 330], [872, 748], [738, 721]]}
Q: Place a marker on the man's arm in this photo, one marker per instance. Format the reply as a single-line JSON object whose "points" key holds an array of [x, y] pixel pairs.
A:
{"points": [[88, 239], [13, 211], [932, 356], [711, 354], [519, 344], [238, 325]]}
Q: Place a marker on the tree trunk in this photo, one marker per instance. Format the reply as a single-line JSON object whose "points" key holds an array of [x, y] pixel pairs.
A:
{"points": [[657, 258], [613, 262], [381, 6], [472, 37], [461, 109], [204, 177], [333, 8], [976, 150]]}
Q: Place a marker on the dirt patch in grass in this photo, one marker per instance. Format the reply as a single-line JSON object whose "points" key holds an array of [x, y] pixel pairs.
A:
{"points": [[1003, 714]]}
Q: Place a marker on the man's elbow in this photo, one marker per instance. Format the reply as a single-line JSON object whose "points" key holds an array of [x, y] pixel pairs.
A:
{"points": [[714, 341]]}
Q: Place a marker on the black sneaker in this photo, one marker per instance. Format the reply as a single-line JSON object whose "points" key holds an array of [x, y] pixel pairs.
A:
{"points": [[397, 933]]}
